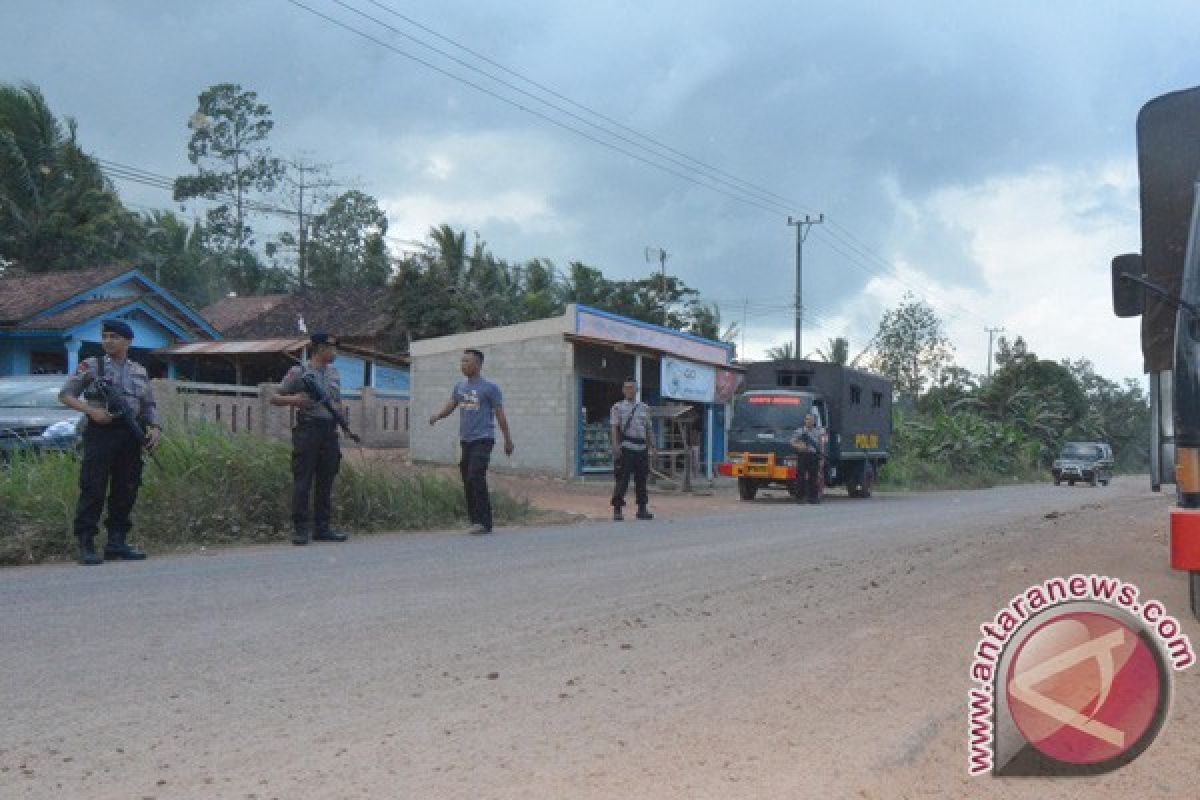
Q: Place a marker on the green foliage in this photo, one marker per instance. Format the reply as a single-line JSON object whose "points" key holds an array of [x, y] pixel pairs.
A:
{"points": [[216, 490], [910, 346], [57, 210], [449, 288], [783, 352], [347, 245], [956, 449], [836, 351], [234, 165]]}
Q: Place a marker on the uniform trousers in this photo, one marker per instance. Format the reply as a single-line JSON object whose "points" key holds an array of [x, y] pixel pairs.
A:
{"points": [[635, 464], [316, 456], [112, 464]]}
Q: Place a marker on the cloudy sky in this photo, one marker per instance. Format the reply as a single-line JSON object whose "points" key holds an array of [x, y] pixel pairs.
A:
{"points": [[978, 155]]}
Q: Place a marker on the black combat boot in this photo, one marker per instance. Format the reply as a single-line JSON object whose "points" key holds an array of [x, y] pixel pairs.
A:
{"points": [[644, 513], [329, 535], [87, 552], [117, 549]]}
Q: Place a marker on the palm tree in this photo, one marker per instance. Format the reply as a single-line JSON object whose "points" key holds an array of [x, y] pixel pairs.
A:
{"points": [[56, 208], [781, 352], [837, 351]]}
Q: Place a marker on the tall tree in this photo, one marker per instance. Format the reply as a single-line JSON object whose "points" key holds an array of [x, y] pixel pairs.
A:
{"points": [[347, 246], [236, 170], [910, 346], [57, 210]]}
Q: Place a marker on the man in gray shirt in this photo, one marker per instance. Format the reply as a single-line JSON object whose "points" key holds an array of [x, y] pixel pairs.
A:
{"points": [[629, 425], [478, 400]]}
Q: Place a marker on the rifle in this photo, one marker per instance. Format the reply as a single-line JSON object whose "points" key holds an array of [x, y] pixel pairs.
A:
{"points": [[310, 386], [114, 401]]}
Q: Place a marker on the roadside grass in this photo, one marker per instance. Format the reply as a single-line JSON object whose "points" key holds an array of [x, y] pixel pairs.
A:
{"points": [[905, 472], [216, 490]]}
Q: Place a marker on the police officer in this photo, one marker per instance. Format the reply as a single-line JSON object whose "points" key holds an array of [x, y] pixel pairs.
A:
{"points": [[112, 457], [809, 442], [629, 426], [316, 452]]}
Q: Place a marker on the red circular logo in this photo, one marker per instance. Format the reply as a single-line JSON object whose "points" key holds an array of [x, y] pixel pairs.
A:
{"points": [[1084, 688]]}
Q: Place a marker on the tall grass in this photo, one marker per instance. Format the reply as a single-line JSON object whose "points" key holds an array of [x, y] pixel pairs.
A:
{"points": [[211, 489]]}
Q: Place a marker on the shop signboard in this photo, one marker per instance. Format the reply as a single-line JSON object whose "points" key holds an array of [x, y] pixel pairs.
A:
{"points": [[683, 380], [600, 325]]}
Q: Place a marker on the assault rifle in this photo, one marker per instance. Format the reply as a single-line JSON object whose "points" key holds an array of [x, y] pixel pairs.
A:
{"points": [[116, 404], [310, 386]]}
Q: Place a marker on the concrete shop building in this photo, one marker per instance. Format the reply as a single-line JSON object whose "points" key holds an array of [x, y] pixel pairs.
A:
{"points": [[560, 376]]}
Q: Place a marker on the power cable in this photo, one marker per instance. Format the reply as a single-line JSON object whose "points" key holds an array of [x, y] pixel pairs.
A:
{"points": [[534, 112]]}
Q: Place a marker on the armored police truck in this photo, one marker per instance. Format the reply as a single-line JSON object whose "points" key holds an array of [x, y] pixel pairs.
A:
{"points": [[854, 407]]}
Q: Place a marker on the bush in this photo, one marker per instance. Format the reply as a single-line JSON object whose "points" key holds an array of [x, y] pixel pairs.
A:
{"points": [[211, 489], [958, 449]]}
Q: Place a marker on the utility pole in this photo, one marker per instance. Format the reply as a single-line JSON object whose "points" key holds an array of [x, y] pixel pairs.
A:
{"points": [[802, 228], [991, 332], [662, 256]]}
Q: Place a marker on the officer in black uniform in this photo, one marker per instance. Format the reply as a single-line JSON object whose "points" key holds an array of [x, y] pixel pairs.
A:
{"points": [[112, 457], [316, 452]]}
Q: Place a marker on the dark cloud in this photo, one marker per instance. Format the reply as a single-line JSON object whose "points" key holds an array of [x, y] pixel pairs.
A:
{"points": [[851, 110]]}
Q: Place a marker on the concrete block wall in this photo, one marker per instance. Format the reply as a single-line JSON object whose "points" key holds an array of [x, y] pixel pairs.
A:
{"points": [[536, 377]]}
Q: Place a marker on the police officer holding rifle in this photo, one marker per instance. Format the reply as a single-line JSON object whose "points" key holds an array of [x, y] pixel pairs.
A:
{"points": [[122, 419], [315, 391]]}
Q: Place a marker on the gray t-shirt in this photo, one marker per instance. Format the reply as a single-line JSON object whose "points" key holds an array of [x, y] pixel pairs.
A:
{"points": [[477, 401]]}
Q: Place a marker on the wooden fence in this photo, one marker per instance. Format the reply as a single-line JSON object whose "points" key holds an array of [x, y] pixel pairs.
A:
{"points": [[378, 416]]}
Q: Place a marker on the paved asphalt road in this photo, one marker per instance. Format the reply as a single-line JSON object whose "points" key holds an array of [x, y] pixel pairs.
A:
{"points": [[600, 659]]}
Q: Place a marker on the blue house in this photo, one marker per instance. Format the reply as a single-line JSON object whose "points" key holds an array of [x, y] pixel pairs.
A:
{"points": [[50, 321]]}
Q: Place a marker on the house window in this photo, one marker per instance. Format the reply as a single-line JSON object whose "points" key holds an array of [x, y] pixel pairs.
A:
{"points": [[783, 378], [855, 394], [876, 399]]}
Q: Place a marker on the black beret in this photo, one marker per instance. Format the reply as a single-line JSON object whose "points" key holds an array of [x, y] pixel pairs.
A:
{"points": [[323, 338], [118, 326]]}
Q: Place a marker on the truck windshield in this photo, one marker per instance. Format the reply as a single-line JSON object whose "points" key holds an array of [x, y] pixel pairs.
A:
{"points": [[1081, 451], [772, 412]]}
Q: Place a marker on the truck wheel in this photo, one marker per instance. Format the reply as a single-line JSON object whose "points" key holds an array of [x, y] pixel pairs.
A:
{"points": [[1092, 481], [1194, 592], [795, 491], [1070, 481], [747, 489]]}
